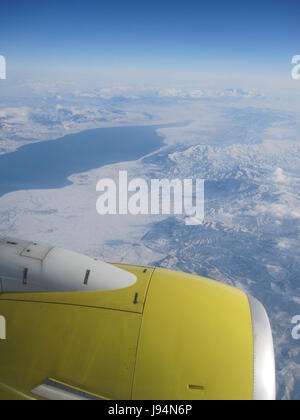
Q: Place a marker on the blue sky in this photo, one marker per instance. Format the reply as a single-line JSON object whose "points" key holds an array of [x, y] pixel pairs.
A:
{"points": [[215, 37]]}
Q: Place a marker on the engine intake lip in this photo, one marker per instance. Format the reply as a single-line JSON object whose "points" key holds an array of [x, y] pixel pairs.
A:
{"points": [[264, 357]]}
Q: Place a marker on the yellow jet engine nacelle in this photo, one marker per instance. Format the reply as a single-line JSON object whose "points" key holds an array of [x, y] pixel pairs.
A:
{"points": [[75, 328]]}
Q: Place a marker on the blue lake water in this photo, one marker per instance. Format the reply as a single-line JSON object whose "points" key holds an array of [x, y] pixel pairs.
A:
{"points": [[48, 164]]}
